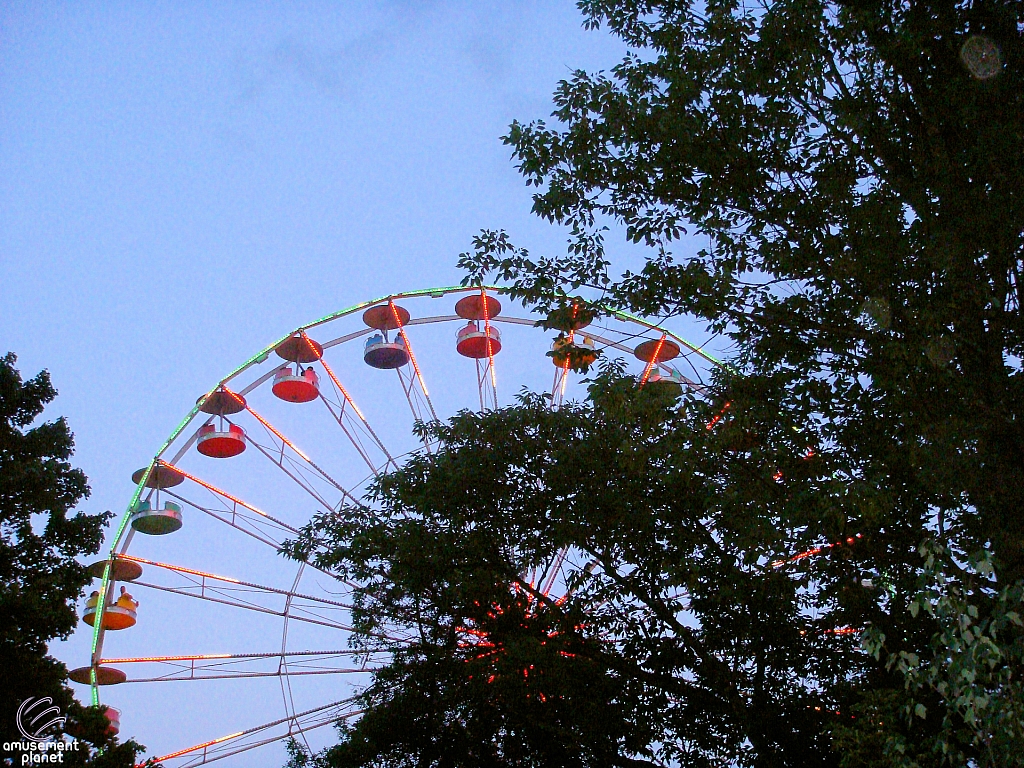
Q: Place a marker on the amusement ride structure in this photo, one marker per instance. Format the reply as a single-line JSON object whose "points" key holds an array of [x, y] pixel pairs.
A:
{"points": [[280, 438]]}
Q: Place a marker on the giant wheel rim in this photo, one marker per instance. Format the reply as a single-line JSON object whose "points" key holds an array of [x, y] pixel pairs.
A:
{"points": [[652, 338]]}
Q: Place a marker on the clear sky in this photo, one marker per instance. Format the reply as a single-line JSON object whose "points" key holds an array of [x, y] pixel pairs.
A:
{"points": [[181, 183]]}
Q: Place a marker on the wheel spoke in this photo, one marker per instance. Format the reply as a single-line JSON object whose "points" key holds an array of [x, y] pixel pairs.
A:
{"points": [[299, 607], [239, 520], [555, 569], [415, 367], [347, 399], [234, 743], [293, 476], [203, 576], [224, 494], [222, 666], [244, 604], [225, 656], [285, 442], [189, 674]]}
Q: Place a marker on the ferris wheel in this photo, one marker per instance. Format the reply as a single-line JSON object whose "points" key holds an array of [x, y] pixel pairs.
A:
{"points": [[193, 605]]}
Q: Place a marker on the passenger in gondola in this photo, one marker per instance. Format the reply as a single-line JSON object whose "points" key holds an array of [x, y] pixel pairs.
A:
{"points": [[127, 601]]}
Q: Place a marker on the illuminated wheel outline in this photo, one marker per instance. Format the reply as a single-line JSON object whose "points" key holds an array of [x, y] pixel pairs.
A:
{"points": [[621, 333]]}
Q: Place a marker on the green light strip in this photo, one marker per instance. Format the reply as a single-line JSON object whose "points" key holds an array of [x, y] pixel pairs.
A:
{"points": [[97, 628]]}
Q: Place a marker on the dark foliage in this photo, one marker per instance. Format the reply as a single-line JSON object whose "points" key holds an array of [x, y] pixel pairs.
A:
{"points": [[40, 580]]}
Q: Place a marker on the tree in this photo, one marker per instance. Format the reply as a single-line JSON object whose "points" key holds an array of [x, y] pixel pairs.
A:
{"points": [[494, 671], [40, 578], [854, 170], [853, 167], [680, 629]]}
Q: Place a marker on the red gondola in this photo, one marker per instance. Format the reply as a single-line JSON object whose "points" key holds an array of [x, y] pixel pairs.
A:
{"points": [[221, 445], [296, 387], [113, 721], [472, 341]]}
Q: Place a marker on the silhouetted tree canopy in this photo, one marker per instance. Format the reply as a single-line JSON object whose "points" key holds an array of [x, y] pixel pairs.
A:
{"points": [[836, 188], [40, 580]]}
